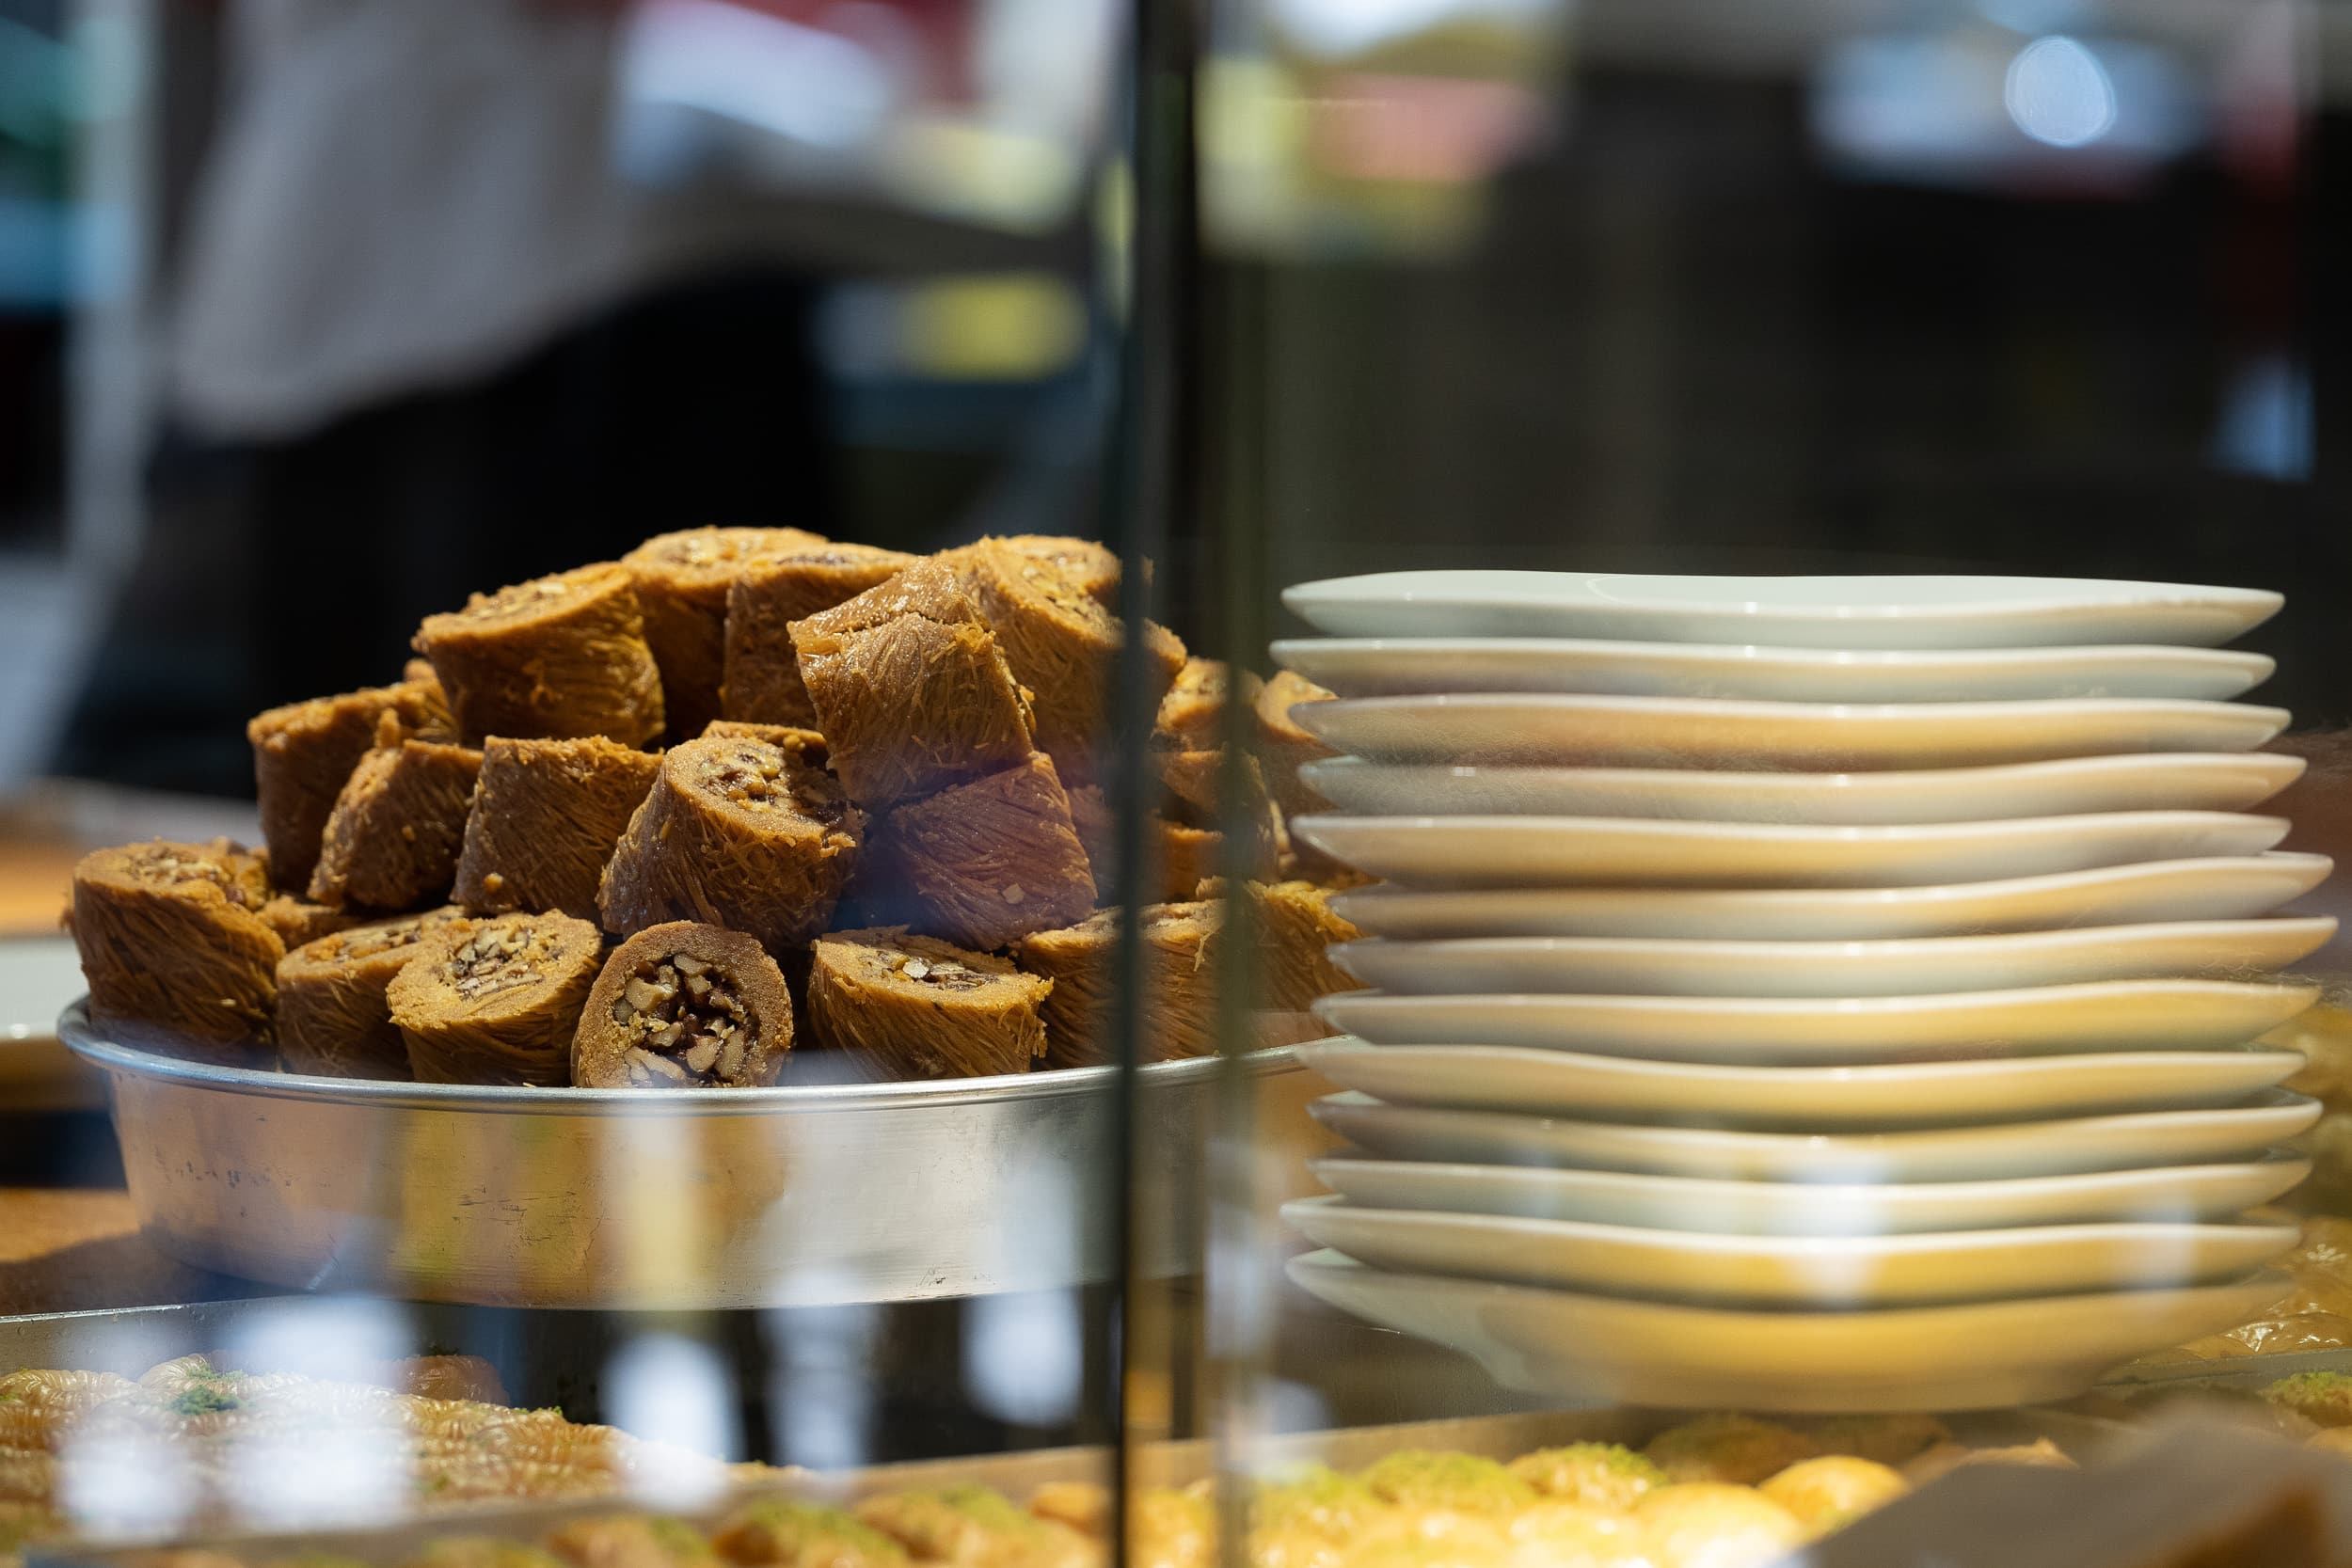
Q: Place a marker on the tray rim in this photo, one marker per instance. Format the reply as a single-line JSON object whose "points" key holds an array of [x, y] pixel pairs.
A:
{"points": [[112, 1056]]}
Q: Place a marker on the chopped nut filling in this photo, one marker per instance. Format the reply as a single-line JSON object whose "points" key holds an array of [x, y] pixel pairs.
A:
{"points": [[367, 944], [521, 597], [495, 959], [160, 862], [752, 775], [685, 1023], [945, 973]]}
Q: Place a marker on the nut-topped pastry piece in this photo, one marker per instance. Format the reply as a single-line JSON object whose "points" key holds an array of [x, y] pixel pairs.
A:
{"points": [[908, 1007], [735, 833], [174, 947], [496, 1001], [559, 656], [763, 670], [1179, 1005], [333, 1019], [685, 1005], [682, 581]]}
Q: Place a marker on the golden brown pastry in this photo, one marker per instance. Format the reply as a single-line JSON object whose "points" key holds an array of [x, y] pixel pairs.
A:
{"points": [[763, 670], [333, 1020], [806, 746], [986, 863], [1284, 744], [303, 752], [910, 1006], [1738, 1449], [735, 833], [1092, 568], [544, 821], [174, 948], [682, 581], [392, 841], [910, 689], [684, 1005], [556, 656], [497, 1001], [1179, 1007]]}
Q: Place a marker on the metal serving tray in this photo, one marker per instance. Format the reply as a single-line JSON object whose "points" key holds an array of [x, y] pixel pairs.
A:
{"points": [[628, 1198]]}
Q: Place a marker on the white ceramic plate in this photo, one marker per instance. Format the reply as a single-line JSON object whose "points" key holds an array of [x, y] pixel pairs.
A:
{"points": [[2102, 1014], [1909, 966], [2230, 887], [38, 976], [1973, 1356], [2153, 780], [1804, 1273], [1572, 851], [2174, 1193], [1999, 1151], [1696, 732], [1872, 1097], [1402, 666], [1790, 612]]}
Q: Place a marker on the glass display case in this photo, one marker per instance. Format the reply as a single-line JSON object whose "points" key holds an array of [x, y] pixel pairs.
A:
{"points": [[1441, 783]]}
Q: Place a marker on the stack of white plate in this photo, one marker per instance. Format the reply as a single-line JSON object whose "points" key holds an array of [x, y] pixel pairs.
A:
{"points": [[1808, 993]]}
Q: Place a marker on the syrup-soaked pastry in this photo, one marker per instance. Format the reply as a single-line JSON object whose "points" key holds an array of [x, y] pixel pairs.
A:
{"points": [[987, 863], [1192, 714], [393, 838], [910, 1006], [496, 1001], [544, 821], [1178, 1012], [911, 690], [1283, 743], [174, 947], [1062, 645], [1178, 855], [556, 657], [333, 1020], [684, 1005], [804, 745], [735, 833], [682, 581], [296, 920], [763, 670], [1297, 925], [1094, 568], [303, 754], [39, 1408]]}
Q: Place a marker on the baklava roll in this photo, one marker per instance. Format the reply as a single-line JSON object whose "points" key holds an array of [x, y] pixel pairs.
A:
{"points": [[803, 745], [989, 862], [561, 656], [780, 1533], [305, 752], [763, 670], [682, 581], [175, 949], [735, 833], [1179, 1013], [1283, 743], [393, 838], [911, 690], [630, 1540], [1062, 645], [1191, 717], [497, 1001], [333, 1018], [908, 1007], [1093, 569], [296, 920], [1297, 926], [544, 821], [685, 1005]]}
